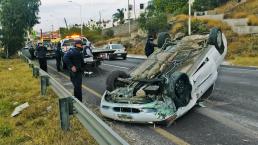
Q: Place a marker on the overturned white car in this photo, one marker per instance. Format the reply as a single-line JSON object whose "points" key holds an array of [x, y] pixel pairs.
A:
{"points": [[169, 83]]}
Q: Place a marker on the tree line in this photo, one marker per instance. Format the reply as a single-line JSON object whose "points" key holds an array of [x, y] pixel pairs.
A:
{"points": [[16, 18], [154, 19]]}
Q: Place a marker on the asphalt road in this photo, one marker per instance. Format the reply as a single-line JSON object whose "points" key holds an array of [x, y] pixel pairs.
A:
{"points": [[229, 118]]}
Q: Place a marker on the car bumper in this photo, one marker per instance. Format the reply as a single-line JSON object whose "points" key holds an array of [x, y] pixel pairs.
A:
{"points": [[118, 54], [130, 112], [50, 54]]}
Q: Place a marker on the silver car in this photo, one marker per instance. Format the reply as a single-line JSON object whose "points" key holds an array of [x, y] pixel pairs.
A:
{"points": [[120, 51]]}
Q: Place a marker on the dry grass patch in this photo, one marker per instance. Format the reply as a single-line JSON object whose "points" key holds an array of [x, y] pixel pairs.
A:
{"points": [[35, 125], [245, 61], [226, 7], [252, 20]]}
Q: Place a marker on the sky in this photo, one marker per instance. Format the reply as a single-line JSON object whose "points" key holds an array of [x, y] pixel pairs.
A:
{"points": [[53, 12]]}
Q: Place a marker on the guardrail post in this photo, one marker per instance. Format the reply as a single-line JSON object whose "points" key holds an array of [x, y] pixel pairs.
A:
{"points": [[66, 109], [35, 71], [31, 65], [44, 83]]}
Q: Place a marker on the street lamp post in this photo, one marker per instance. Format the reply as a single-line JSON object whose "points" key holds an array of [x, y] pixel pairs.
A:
{"points": [[190, 2], [129, 17], [80, 13]]}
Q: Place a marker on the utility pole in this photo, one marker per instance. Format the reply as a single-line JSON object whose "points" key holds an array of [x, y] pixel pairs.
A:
{"points": [[100, 18], [190, 2], [134, 9], [129, 17], [52, 35]]}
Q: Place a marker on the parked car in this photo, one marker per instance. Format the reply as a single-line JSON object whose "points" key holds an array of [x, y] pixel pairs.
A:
{"points": [[120, 51], [169, 83], [50, 50]]}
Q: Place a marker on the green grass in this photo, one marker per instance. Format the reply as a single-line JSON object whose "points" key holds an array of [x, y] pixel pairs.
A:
{"points": [[245, 61], [35, 125]]}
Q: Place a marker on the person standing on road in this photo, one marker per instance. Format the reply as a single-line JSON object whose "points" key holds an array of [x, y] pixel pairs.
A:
{"points": [[41, 51], [87, 50], [149, 47], [74, 61], [58, 53]]}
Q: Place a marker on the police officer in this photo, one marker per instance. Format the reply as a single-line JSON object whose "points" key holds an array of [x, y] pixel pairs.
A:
{"points": [[149, 47], [58, 54], [41, 51], [74, 61]]}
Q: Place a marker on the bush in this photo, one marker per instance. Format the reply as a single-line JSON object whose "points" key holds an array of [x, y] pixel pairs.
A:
{"points": [[252, 20], [177, 28], [127, 44], [109, 33], [181, 18], [237, 15], [153, 23]]}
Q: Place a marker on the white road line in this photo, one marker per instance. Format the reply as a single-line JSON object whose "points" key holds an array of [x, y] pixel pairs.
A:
{"points": [[228, 122], [116, 66]]}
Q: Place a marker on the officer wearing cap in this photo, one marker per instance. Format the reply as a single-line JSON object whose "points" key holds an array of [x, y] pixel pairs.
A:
{"points": [[74, 61], [41, 52]]}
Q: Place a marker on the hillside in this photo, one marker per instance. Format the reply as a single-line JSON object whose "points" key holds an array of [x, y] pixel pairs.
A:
{"points": [[242, 49]]}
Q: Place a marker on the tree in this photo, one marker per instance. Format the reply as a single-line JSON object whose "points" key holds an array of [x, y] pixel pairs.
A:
{"points": [[203, 5], [17, 17], [169, 6], [119, 16], [154, 23]]}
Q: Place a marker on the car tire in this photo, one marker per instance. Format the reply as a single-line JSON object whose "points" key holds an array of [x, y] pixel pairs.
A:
{"points": [[215, 38], [124, 57], [179, 88], [112, 83], [162, 38]]}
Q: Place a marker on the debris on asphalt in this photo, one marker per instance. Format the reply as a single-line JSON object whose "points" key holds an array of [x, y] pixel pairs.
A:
{"points": [[15, 103], [19, 108]]}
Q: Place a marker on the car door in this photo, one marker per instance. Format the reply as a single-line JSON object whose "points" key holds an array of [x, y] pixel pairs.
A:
{"points": [[204, 76]]}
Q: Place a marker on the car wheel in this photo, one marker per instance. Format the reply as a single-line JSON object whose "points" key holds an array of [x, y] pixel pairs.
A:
{"points": [[112, 83], [215, 38], [124, 57], [179, 89], [162, 38], [207, 94]]}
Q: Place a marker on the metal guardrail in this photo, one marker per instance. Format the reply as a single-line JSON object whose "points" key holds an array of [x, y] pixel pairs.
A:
{"points": [[69, 105]]}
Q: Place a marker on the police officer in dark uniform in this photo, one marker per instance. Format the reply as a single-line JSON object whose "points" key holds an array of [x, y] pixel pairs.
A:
{"points": [[74, 61], [41, 51], [149, 47], [58, 53]]}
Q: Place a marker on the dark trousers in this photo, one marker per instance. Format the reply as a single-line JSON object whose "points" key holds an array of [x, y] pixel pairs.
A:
{"points": [[58, 63], [43, 64], [76, 79]]}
